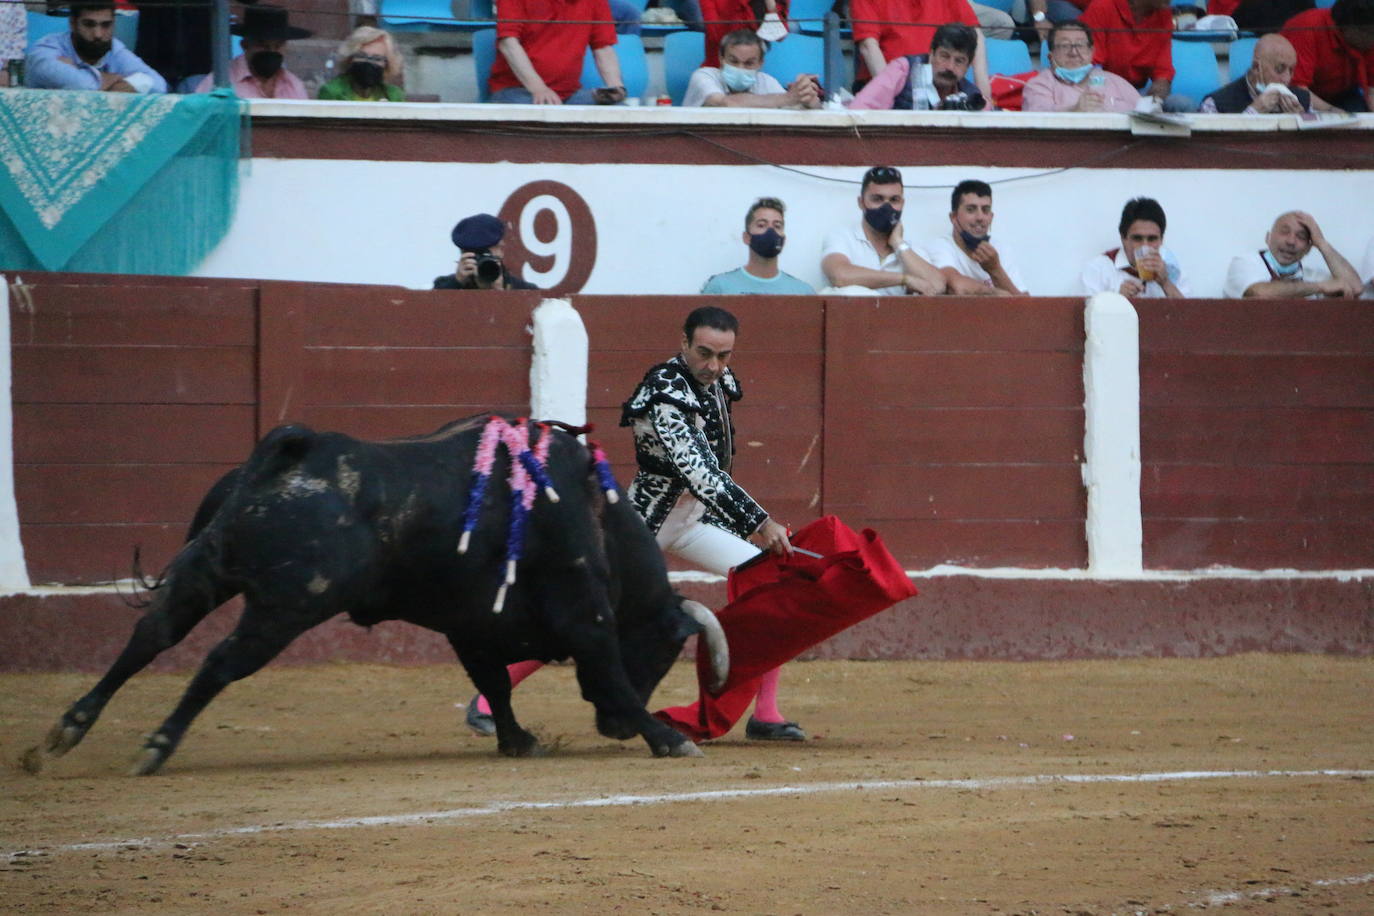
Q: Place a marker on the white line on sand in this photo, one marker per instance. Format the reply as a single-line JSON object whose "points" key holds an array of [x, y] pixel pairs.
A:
{"points": [[1222, 898], [619, 801]]}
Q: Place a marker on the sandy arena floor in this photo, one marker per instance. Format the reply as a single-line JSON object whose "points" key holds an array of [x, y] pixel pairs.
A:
{"points": [[258, 812]]}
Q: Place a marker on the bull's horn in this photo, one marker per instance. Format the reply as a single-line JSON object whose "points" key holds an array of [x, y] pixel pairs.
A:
{"points": [[715, 641]]}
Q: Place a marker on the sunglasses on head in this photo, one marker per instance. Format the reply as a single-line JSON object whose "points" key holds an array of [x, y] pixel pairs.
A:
{"points": [[883, 174]]}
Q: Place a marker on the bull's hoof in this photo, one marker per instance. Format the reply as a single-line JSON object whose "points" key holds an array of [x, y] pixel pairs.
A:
{"points": [[31, 761], [686, 749], [64, 736], [521, 744], [149, 761]]}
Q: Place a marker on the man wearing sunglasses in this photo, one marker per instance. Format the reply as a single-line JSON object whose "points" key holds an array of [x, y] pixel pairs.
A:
{"points": [[874, 258]]}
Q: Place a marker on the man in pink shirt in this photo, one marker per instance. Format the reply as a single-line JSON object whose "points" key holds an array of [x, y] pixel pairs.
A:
{"points": [[1072, 82], [258, 73]]}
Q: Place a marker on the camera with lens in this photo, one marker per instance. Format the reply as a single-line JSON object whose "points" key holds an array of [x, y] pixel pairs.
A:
{"points": [[489, 267], [961, 101]]}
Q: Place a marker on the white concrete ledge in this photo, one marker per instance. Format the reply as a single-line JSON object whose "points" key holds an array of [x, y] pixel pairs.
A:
{"points": [[607, 115]]}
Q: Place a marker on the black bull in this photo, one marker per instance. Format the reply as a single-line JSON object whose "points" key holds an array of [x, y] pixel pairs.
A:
{"points": [[318, 524]]}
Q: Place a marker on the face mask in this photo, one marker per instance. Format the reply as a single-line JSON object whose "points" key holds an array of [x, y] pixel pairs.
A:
{"points": [[766, 244], [365, 73], [91, 50], [883, 219], [738, 79], [972, 241], [265, 64], [1280, 269], [1073, 74]]}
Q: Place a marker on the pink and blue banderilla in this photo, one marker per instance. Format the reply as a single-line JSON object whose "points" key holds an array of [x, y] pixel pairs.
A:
{"points": [[527, 474]]}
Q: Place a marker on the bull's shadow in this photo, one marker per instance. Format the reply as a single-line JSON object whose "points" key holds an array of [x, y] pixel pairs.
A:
{"points": [[318, 524]]}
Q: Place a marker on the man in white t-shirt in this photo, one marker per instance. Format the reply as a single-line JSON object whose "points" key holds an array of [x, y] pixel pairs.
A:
{"points": [[1277, 270], [972, 267], [1367, 272], [739, 81], [874, 258], [1141, 267]]}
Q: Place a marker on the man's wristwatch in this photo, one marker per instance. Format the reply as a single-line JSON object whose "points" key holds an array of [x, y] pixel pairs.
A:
{"points": [[903, 246], [1038, 15]]}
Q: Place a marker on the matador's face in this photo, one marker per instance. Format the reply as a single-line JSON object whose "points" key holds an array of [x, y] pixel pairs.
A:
{"points": [[708, 353]]}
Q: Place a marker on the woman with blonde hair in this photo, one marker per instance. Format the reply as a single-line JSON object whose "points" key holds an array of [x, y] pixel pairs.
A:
{"points": [[371, 66]]}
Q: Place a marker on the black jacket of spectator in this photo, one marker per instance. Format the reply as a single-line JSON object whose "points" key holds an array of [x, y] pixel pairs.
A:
{"points": [[1234, 97]]}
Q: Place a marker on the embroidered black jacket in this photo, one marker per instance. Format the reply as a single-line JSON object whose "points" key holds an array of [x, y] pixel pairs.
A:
{"points": [[685, 441]]}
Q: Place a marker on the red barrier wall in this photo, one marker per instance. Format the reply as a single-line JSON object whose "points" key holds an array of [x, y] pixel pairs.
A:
{"points": [[953, 427], [131, 400], [1257, 434]]}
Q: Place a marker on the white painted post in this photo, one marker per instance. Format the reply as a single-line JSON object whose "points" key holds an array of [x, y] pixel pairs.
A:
{"points": [[558, 371], [1111, 440], [14, 574]]}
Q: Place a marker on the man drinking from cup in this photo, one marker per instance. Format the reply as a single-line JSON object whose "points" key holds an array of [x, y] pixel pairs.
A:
{"points": [[1141, 266]]}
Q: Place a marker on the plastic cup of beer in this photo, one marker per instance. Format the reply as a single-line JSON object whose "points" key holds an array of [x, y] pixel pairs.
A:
{"points": [[1144, 251]]}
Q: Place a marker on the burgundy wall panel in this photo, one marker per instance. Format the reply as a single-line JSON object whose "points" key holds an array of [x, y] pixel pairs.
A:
{"points": [[132, 433], [81, 554], [130, 400], [1257, 434]]}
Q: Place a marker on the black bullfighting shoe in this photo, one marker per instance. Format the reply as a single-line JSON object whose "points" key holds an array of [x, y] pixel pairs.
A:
{"points": [[773, 731], [482, 724]]}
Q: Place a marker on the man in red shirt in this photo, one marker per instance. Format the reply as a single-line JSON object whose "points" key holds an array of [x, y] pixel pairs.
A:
{"points": [[725, 16], [542, 43], [885, 30], [1335, 52], [1133, 41]]}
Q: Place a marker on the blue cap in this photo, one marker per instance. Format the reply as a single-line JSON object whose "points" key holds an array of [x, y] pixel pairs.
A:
{"points": [[480, 231]]}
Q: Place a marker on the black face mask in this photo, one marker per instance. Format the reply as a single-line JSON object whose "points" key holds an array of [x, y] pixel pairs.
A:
{"points": [[366, 74], [87, 49], [265, 64], [883, 219], [972, 241], [767, 244]]}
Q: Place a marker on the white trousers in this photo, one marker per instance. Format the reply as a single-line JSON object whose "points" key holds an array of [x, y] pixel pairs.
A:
{"points": [[684, 534]]}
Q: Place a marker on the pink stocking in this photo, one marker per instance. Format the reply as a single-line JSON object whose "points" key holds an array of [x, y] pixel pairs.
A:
{"points": [[766, 705], [517, 673]]}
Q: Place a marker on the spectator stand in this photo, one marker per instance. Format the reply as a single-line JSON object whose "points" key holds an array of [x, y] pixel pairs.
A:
{"points": [[634, 67], [41, 24], [683, 52], [435, 16], [1008, 56]]}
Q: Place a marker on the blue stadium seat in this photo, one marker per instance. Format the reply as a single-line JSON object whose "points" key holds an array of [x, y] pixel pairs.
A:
{"points": [[1196, 72], [1008, 56], [1242, 51], [1003, 5], [793, 55], [1325, 4], [483, 56], [683, 53], [433, 16], [126, 26], [634, 68], [808, 15]]}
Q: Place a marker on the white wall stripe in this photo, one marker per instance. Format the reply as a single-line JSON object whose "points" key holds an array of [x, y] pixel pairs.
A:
{"points": [[420, 818]]}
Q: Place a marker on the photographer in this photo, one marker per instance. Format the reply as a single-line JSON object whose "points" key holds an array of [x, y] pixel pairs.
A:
{"points": [[480, 266], [941, 83]]}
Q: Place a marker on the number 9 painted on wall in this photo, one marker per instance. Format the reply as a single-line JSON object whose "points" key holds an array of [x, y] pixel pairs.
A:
{"points": [[553, 238]]}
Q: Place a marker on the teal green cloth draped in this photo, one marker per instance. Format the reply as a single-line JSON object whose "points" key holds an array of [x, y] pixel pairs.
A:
{"points": [[108, 182]]}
